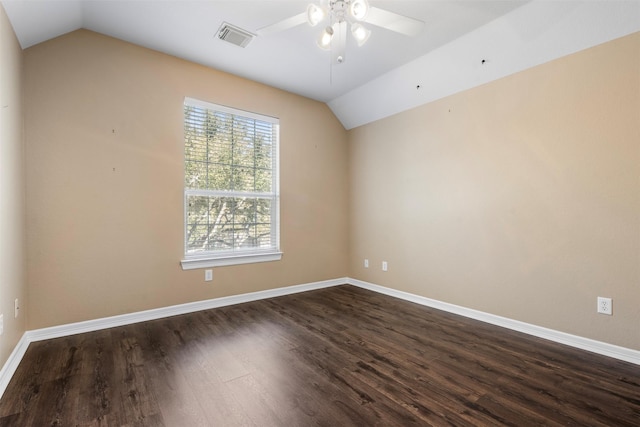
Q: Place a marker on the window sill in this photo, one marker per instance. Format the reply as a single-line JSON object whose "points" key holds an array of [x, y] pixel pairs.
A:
{"points": [[195, 262]]}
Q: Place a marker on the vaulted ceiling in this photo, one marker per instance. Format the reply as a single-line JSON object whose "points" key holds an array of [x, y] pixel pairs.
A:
{"points": [[464, 43]]}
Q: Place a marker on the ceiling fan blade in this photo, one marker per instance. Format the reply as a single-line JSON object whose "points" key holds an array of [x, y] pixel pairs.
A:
{"points": [[392, 21], [285, 24]]}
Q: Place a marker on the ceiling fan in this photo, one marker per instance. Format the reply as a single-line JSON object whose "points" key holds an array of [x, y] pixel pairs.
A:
{"points": [[341, 16]]}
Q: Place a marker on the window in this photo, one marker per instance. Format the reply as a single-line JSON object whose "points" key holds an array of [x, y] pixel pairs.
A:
{"points": [[231, 195]]}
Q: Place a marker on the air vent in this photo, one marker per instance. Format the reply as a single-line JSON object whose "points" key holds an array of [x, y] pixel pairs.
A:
{"points": [[234, 35]]}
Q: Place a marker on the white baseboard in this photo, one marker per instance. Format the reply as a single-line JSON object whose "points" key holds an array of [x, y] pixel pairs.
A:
{"points": [[9, 368], [617, 352], [174, 310]]}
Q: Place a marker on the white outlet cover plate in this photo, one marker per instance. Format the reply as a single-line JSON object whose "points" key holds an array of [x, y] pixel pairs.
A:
{"points": [[604, 306]]}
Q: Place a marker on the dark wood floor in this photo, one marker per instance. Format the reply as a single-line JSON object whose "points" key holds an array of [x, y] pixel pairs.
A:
{"points": [[340, 356]]}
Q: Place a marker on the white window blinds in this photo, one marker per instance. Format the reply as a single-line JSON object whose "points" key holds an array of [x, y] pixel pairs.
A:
{"points": [[231, 181]]}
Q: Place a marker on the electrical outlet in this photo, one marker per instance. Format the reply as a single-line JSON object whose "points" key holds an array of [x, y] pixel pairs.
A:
{"points": [[366, 263], [16, 308], [384, 265], [1, 324], [604, 306], [208, 275]]}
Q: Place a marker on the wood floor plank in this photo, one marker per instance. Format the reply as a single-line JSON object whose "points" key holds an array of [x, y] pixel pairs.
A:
{"points": [[296, 384], [136, 402], [337, 356]]}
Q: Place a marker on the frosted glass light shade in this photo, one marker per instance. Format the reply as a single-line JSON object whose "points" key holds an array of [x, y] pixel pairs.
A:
{"points": [[360, 33], [359, 9], [315, 14], [324, 41]]}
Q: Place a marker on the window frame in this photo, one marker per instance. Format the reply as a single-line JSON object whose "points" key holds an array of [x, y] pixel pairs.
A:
{"points": [[234, 256]]}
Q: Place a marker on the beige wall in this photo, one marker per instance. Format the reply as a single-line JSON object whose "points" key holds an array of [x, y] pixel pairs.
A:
{"points": [[12, 185], [519, 198], [104, 181]]}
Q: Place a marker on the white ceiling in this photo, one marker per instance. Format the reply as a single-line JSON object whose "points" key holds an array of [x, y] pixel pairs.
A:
{"points": [[376, 80]]}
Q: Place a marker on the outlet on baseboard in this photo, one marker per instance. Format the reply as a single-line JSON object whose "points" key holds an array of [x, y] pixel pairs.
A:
{"points": [[366, 263], [604, 306], [208, 275], [384, 266], [16, 308]]}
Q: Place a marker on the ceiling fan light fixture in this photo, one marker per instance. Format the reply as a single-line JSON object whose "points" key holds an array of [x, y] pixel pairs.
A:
{"points": [[360, 33], [359, 9], [315, 14], [324, 41]]}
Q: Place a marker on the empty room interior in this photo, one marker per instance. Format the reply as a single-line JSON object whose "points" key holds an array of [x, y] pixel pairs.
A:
{"points": [[336, 212]]}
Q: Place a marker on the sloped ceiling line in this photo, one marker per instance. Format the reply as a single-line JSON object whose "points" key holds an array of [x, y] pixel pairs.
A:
{"points": [[378, 80]]}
